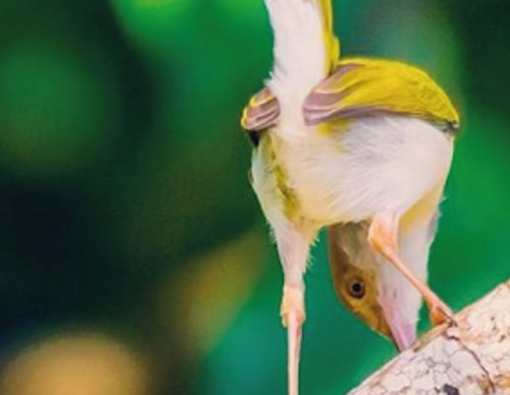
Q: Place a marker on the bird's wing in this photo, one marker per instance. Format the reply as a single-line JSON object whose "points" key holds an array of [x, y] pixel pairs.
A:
{"points": [[367, 87], [261, 112]]}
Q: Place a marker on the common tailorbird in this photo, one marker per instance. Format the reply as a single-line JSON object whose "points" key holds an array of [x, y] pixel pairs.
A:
{"points": [[363, 147]]}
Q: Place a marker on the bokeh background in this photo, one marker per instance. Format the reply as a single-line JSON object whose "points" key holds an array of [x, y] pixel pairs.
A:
{"points": [[134, 259]]}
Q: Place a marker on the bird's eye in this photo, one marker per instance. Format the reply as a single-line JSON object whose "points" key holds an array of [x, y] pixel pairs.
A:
{"points": [[356, 288]]}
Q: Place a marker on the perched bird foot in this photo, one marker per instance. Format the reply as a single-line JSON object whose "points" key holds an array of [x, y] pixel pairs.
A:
{"points": [[439, 312]]}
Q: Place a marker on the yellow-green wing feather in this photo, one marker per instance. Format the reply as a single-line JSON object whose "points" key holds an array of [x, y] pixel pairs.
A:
{"points": [[261, 112], [367, 87]]}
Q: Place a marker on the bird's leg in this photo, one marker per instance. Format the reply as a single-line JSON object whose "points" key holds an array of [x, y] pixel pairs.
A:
{"points": [[293, 316], [293, 250], [382, 236]]}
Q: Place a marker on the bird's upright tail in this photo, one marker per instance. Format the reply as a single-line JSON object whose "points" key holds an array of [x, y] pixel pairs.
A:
{"points": [[305, 47]]}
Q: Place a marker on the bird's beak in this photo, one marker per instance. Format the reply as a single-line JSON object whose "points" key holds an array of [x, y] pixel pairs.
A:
{"points": [[403, 334]]}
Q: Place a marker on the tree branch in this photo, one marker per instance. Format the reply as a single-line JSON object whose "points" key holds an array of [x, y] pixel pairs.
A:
{"points": [[470, 357]]}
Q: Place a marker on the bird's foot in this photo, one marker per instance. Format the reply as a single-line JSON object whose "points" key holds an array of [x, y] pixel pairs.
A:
{"points": [[439, 312]]}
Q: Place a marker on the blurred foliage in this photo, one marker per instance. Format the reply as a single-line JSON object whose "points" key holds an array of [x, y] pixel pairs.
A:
{"points": [[125, 203]]}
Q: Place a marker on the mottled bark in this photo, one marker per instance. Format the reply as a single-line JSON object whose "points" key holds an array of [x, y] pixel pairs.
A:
{"points": [[471, 357]]}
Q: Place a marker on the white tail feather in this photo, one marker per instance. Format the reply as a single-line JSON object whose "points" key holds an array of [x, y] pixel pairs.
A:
{"points": [[300, 54]]}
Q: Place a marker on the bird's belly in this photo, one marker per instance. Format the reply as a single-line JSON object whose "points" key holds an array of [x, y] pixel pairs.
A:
{"points": [[378, 164]]}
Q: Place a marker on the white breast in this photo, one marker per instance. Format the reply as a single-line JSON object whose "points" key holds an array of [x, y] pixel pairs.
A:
{"points": [[377, 164]]}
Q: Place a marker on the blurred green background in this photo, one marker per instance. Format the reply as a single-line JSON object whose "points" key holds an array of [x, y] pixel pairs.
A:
{"points": [[134, 258]]}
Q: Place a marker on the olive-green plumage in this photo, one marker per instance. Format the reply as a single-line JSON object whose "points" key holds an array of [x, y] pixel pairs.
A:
{"points": [[364, 87]]}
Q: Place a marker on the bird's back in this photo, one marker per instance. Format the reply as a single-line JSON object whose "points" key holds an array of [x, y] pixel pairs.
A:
{"points": [[361, 87]]}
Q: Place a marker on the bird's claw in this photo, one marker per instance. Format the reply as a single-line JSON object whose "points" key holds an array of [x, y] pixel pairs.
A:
{"points": [[440, 313]]}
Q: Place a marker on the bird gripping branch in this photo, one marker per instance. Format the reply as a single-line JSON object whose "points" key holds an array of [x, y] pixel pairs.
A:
{"points": [[360, 146]]}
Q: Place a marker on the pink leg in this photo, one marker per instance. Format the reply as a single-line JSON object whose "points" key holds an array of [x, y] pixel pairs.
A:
{"points": [[382, 236], [293, 248], [293, 316]]}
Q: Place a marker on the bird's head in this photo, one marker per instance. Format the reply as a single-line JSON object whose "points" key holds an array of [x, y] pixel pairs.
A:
{"points": [[370, 287]]}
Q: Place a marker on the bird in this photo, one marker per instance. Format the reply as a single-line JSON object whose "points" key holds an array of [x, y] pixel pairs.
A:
{"points": [[358, 146]]}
